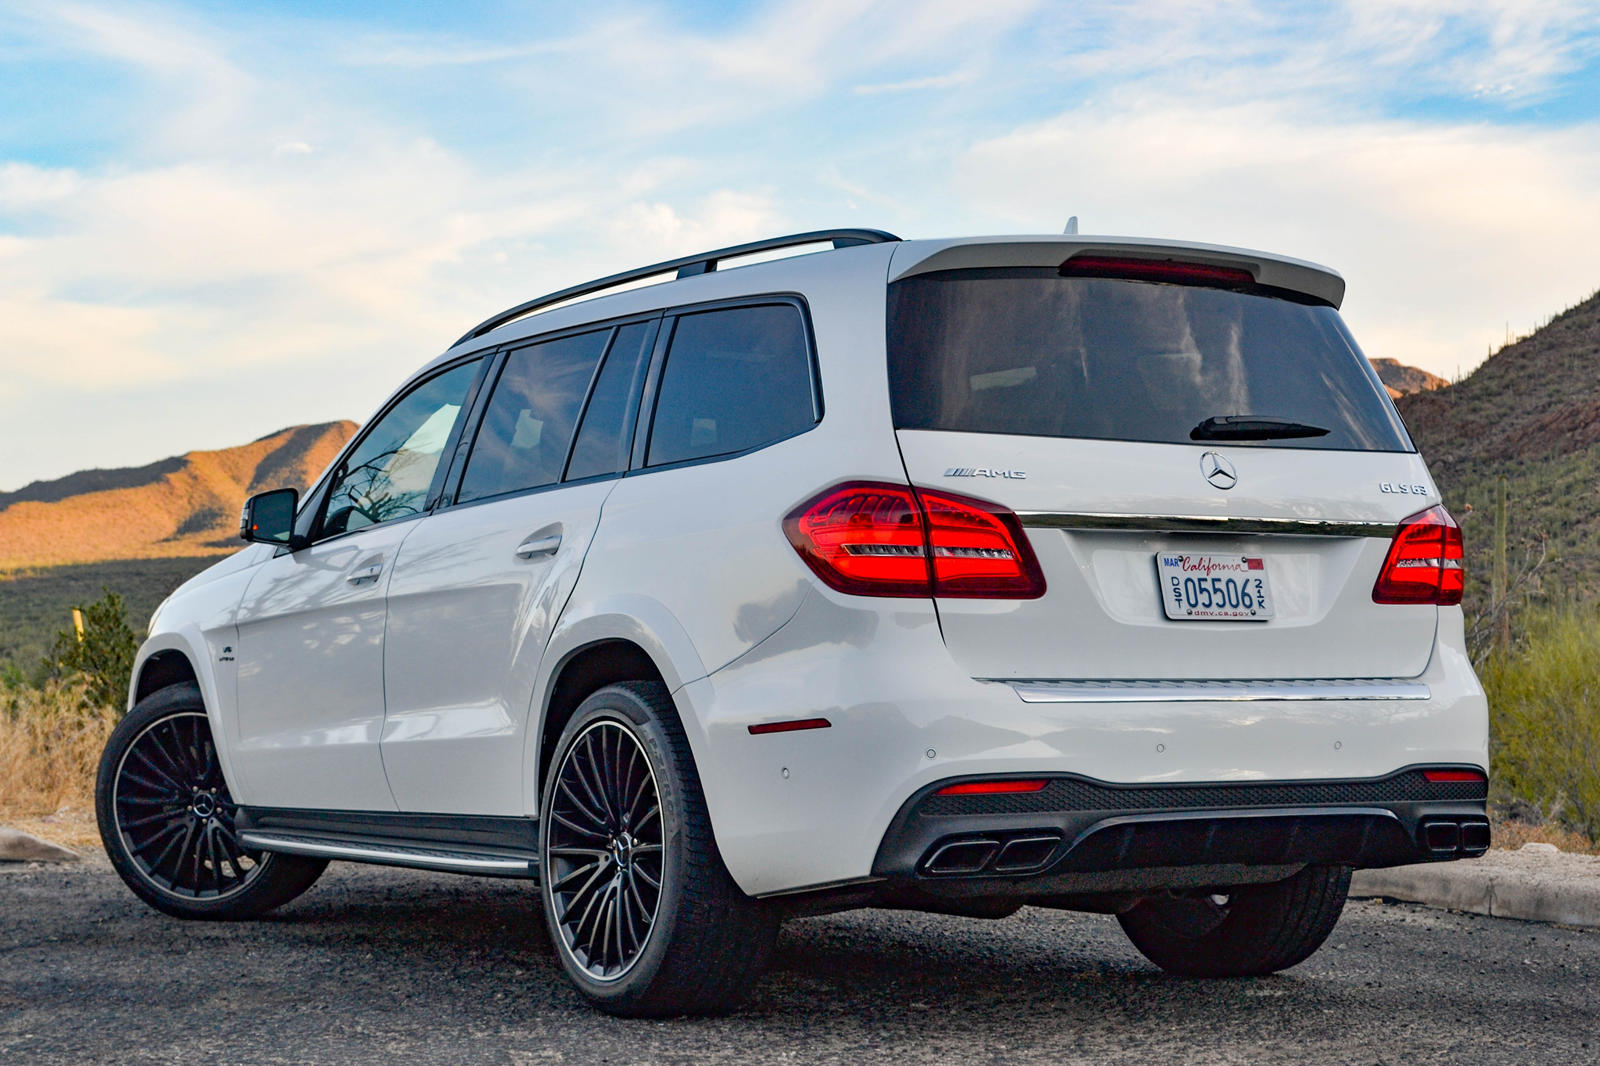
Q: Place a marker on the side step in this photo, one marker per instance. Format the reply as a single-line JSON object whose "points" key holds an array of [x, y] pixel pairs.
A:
{"points": [[388, 854], [484, 846]]}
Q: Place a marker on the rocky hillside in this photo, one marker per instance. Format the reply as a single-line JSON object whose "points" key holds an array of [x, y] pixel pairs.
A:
{"points": [[1402, 380], [184, 506], [1530, 413]]}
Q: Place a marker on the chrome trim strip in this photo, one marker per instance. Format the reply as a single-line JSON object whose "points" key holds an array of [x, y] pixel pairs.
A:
{"points": [[377, 853], [1361, 688], [1292, 527]]}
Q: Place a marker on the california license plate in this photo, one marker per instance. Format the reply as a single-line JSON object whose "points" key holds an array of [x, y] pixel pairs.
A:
{"points": [[1214, 588]]}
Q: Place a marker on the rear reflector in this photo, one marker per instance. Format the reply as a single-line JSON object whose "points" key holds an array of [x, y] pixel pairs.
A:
{"points": [[873, 539], [1168, 270], [1424, 562], [991, 788], [1441, 776], [789, 727]]}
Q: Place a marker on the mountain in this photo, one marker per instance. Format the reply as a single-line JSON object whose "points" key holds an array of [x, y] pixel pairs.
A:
{"points": [[1530, 414], [1402, 380], [184, 506]]}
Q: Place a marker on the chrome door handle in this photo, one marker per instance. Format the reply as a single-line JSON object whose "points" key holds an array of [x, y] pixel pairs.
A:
{"points": [[365, 572], [539, 546]]}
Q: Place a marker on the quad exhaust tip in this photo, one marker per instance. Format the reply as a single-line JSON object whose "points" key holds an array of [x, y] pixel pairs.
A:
{"points": [[1448, 838], [1017, 853]]}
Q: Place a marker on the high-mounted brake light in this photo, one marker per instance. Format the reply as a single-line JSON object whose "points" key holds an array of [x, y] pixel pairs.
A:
{"points": [[872, 539], [1169, 270], [1424, 562], [993, 788]]}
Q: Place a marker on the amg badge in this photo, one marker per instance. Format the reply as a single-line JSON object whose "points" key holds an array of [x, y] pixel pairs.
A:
{"points": [[984, 471]]}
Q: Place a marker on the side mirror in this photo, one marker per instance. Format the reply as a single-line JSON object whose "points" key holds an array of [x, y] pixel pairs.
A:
{"points": [[268, 517]]}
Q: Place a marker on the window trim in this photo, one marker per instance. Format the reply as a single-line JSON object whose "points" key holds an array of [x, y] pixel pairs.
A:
{"points": [[320, 494], [658, 363], [452, 489]]}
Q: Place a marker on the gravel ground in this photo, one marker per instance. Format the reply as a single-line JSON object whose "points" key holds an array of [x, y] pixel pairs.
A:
{"points": [[390, 966]]}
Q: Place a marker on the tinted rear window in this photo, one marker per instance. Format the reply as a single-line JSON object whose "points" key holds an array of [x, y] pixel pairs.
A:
{"points": [[735, 379], [1030, 352]]}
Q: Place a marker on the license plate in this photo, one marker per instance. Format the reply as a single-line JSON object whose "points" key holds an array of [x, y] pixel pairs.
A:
{"points": [[1214, 588]]}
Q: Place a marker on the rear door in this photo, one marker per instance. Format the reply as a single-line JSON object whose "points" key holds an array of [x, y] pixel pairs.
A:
{"points": [[478, 586], [1130, 414]]}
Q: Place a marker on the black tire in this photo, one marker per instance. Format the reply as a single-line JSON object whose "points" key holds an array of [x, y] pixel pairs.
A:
{"points": [[705, 942], [1260, 929], [166, 818]]}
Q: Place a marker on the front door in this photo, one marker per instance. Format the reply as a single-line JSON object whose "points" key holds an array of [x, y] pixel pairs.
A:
{"points": [[311, 624]]}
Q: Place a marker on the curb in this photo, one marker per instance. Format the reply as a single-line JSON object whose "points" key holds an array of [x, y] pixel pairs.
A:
{"points": [[1564, 893], [17, 846]]}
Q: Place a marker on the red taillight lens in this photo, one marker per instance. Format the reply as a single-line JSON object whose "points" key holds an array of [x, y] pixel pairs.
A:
{"points": [[1424, 562], [992, 788], [876, 540], [1440, 776], [979, 550], [863, 538]]}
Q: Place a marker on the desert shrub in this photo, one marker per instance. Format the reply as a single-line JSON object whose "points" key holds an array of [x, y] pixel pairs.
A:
{"points": [[102, 655], [1544, 707], [50, 744]]}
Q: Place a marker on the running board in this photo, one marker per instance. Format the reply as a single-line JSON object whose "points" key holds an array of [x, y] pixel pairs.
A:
{"points": [[486, 847]]}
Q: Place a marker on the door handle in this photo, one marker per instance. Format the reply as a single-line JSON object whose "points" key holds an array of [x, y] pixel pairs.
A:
{"points": [[365, 572], [535, 546]]}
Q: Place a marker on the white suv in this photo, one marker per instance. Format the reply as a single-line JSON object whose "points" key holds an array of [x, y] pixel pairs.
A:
{"points": [[1082, 572]]}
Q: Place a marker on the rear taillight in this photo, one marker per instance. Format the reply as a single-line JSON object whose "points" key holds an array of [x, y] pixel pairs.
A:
{"points": [[871, 539], [1168, 270], [1424, 562]]}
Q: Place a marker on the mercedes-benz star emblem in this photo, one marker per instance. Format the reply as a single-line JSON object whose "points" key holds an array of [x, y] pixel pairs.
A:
{"points": [[1218, 471]]}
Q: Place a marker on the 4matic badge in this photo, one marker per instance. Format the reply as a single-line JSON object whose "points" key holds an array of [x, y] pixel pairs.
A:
{"points": [[985, 471]]}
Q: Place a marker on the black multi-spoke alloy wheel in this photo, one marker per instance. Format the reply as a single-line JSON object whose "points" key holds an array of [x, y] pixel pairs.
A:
{"points": [[1240, 932], [646, 920], [166, 818]]}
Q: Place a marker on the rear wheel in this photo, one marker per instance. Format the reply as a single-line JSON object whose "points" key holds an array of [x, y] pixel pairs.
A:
{"points": [[166, 818], [1249, 931], [645, 917]]}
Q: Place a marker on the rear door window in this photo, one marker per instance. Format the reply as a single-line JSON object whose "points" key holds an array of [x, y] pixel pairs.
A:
{"points": [[527, 426], [605, 435], [736, 378], [1030, 352]]}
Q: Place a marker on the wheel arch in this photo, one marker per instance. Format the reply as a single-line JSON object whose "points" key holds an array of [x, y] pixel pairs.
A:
{"points": [[177, 656], [593, 650]]}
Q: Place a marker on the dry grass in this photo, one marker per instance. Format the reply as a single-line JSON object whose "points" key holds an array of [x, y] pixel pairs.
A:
{"points": [[50, 744], [1510, 834]]}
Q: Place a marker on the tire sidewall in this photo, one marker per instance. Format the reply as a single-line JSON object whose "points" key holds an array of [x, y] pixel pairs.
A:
{"points": [[618, 704], [169, 702]]}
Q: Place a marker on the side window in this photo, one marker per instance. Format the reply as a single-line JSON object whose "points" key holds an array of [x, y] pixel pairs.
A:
{"points": [[528, 423], [603, 438], [388, 474], [735, 379]]}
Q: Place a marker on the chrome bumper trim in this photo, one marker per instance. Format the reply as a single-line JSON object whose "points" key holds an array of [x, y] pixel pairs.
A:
{"points": [[1292, 527], [1362, 688]]}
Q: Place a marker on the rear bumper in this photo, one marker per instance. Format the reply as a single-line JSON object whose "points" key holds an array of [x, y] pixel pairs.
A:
{"points": [[1081, 835], [796, 811]]}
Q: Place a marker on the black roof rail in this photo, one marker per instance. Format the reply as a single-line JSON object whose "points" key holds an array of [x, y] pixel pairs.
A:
{"points": [[689, 265]]}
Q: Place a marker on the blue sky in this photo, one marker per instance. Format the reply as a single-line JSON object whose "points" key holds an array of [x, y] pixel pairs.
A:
{"points": [[220, 219]]}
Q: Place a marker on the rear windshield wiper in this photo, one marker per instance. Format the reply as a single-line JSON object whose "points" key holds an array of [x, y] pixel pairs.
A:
{"points": [[1252, 427]]}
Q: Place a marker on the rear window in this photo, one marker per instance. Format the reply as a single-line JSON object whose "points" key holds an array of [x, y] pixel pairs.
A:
{"points": [[1029, 352]]}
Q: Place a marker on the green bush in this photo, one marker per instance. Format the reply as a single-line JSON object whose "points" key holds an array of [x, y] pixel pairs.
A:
{"points": [[102, 655], [1544, 708]]}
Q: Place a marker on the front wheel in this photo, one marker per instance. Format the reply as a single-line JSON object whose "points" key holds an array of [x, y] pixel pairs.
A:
{"points": [[645, 917], [1245, 932], [166, 818]]}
